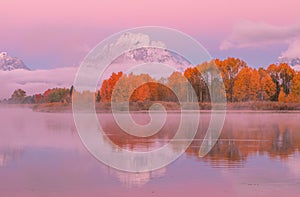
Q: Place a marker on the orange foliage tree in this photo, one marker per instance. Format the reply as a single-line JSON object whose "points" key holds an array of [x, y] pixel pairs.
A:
{"points": [[240, 82], [267, 85], [56, 95], [229, 69], [126, 89], [295, 89], [282, 76], [242, 88], [108, 86]]}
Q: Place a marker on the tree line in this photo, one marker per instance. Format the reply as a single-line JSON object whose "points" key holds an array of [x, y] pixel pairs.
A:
{"points": [[19, 96], [241, 83], [230, 78]]}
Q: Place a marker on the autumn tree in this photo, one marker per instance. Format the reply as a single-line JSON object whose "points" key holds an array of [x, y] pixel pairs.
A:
{"points": [[207, 76], [179, 85], [213, 87], [18, 96], [132, 88], [108, 86], [282, 96], [193, 76], [56, 95], [267, 85], [255, 86], [38, 98], [282, 76], [143, 93], [198, 83], [207, 80], [242, 89], [286, 74], [295, 89], [229, 69], [160, 92]]}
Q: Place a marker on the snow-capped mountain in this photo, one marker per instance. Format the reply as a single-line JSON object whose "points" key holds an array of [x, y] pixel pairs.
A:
{"points": [[294, 62], [144, 50], [8, 63], [160, 55]]}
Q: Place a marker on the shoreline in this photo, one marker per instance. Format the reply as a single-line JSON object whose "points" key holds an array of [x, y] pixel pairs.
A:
{"points": [[264, 107]]}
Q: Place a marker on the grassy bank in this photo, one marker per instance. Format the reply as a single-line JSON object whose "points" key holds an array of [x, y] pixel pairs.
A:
{"points": [[172, 106]]}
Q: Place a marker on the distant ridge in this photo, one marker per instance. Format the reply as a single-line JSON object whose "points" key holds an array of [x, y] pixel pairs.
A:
{"points": [[8, 63]]}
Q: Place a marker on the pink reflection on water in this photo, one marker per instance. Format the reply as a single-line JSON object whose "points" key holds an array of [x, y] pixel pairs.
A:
{"points": [[42, 155]]}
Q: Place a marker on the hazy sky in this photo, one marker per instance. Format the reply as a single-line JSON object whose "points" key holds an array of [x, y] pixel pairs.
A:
{"points": [[50, 34]]}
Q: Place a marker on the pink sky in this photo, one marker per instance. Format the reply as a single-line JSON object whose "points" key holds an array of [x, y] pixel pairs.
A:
{"points": [[120, 14], [59, 33], [49, 35]]}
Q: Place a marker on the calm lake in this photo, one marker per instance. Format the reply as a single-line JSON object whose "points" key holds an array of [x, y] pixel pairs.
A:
{"points": [[257, 154]]}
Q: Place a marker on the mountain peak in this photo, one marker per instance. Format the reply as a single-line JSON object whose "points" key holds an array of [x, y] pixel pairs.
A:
{"points": [[150, 55], [293, 62], [8, 63]]}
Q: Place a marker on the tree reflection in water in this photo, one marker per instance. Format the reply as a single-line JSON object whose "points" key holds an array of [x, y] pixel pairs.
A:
{"points": [[243, 135]]}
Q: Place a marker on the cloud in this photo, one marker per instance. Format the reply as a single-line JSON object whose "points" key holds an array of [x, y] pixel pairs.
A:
{"points": [[250, 34], [35, 81], [293, 50], [247, 34]]}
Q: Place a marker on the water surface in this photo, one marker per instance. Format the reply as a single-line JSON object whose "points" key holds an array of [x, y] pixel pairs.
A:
{"points": [[257, 155]]}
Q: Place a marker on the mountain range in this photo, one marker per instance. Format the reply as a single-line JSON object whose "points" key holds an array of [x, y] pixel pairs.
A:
{"points": [[8, 63]]}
